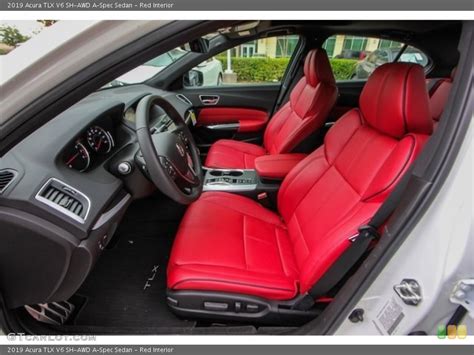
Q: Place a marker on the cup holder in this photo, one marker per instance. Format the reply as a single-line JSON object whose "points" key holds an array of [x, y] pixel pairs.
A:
{"points": [[233, 173]]}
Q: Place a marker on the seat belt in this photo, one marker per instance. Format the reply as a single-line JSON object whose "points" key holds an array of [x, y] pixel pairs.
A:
{"points": [[359, 246]]}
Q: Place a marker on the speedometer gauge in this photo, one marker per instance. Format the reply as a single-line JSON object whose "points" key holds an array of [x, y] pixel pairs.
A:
{"points": [[77, 157], [99, 140]]}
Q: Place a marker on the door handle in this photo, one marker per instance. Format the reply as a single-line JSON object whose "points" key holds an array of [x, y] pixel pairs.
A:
{"points": [[209, 100]]}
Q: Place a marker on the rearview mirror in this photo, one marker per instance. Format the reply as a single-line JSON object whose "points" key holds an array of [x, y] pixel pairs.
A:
{"points": [[199, 45]]}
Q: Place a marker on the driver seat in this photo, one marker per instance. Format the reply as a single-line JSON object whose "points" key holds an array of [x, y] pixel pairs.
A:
{"points": [[233, 259]]}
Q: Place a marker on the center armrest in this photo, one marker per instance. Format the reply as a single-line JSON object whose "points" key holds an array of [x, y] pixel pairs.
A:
{"points": [[276, 166]]}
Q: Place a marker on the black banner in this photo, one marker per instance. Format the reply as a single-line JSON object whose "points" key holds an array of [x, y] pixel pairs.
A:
{"points": [[236, 5]]}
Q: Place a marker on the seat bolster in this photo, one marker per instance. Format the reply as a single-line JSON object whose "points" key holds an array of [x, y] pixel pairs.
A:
{"points": [[221, 279], [334, 243], [396, 164], [226, 153]]}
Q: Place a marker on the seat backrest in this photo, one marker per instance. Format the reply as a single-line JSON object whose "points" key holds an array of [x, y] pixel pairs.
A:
{"points": [[439, 97], [339, 187], [310, 102]]}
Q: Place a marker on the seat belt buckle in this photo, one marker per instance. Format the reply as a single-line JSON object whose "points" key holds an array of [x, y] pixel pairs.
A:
{"points": [[367, 231], [264, 200], [262, 196]]}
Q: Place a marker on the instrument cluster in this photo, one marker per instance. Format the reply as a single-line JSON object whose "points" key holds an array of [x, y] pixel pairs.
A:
{"points": [[88, 148]]}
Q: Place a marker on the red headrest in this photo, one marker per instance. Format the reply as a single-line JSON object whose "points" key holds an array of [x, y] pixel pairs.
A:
{"points": [[317, 68], [395, 101]]}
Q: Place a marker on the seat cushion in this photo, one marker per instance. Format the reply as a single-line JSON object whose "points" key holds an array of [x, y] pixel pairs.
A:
{"points": [[230, 243], [226, 153]]}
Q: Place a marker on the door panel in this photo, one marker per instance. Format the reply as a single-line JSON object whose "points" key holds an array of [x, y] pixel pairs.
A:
{"points": [[241, 112], [247, 119]]}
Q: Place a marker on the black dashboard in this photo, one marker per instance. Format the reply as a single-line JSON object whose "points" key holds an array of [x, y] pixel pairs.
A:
{"points": [[69, 191]]}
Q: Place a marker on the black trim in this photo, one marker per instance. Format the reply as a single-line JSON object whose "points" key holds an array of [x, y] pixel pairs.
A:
{"points": [[214, 306]]}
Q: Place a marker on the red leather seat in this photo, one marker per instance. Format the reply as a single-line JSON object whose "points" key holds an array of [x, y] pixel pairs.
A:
{"points": [[230, 243], [439, 97], [310, 102]]}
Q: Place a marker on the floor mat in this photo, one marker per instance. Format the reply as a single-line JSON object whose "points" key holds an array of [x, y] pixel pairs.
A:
{"points": [[127, 287]]}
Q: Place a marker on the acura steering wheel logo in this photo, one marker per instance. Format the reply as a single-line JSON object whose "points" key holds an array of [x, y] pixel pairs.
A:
{"points": [[180, 149]]}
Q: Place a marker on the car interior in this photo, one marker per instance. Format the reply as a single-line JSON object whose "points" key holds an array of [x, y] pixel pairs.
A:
{"points": [[166, 208]]}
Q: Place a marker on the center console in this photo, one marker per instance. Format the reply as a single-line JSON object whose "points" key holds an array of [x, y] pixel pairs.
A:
{"points": [[230, 180], [245, 182], [270, 170]]}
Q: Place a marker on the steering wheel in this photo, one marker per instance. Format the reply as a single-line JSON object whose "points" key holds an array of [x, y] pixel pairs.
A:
{"points": [[171, 157]]}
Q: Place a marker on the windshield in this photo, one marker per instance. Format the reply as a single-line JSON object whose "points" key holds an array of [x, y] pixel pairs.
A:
{"points": [[149, 69]]}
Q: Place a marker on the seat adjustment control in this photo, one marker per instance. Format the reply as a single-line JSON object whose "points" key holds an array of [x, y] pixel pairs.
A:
{"points": [[216, 306], [252, 308]]}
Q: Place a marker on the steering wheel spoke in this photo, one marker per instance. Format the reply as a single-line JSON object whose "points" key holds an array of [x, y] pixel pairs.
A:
{"points": [[170, 169]]}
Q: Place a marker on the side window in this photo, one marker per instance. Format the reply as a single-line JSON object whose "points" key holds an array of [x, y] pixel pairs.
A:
{"points": [[149, 69], [355, 57], [261, 61]]}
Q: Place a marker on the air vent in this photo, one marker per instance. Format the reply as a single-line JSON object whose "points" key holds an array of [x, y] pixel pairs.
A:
{"points": [[65, 199], [6, 178], [184, 99]]}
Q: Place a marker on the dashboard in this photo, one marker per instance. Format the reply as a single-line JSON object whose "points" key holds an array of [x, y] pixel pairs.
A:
{"points": [[68, 192]]}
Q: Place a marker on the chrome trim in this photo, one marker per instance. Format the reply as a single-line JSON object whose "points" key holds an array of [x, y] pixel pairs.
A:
{"points": [[209, 100], [59, 208], [107, 216], [226, 170], [184, 99], [223, 127], [225, 186], [15, 174]]}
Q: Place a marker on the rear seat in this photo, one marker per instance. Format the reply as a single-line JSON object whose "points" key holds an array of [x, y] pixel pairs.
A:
{"points": [[439, 94]]}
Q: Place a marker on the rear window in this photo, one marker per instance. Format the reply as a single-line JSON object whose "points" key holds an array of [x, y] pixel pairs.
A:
{"points": [[356, 57]]}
